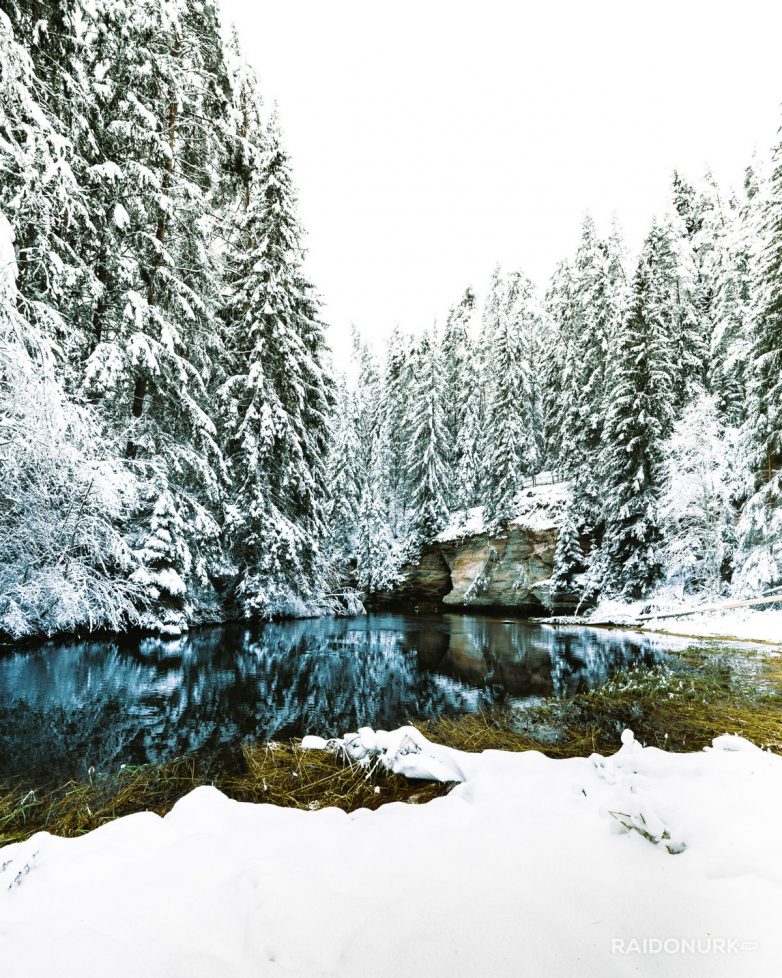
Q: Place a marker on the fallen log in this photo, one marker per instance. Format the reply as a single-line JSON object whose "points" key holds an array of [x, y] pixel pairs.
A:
{"points": [[725, 606]]}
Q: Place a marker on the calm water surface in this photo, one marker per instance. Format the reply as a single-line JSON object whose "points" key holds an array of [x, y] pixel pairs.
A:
{"points": [[66, 707]]}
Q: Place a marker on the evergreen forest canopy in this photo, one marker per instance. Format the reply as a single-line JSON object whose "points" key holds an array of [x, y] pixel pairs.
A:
{"points": [[174, 447]]}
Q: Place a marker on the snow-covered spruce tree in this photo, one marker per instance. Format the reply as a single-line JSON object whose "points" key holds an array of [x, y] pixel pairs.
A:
{"points": [[377, 555], [569, 558], [39, 192], [585, 304], [729, 267], [559, 369], [427, 448], [510, 443], [159, 108], [641, 394], [589, 301], [721, 231], [459, 375], [595, 326], [469, 442], [676, 298], [161, 159], [759, 551], [277, 397], [346, 478], [385, 395], [765, 388]]}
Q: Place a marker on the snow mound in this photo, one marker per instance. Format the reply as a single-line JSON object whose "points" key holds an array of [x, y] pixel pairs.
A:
{"points": [[528, 866], [404, 751]]}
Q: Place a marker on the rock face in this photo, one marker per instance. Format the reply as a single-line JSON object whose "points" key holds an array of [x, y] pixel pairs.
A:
{"points": [[468, 567], [504, 571], [425, 583]]}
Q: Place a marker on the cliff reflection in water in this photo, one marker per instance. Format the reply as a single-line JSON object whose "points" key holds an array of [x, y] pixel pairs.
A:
{"points": [[101, 703]]}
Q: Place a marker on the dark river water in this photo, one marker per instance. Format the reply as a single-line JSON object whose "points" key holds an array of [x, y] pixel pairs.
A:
{"points": [[66, 707]]}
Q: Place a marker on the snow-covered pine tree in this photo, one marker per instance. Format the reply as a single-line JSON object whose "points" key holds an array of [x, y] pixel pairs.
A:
{"points": [[427, 448], [389, 397], [720, 231], [765, 386], [469, 442], [161, 153], [586, 302], [39, 191], [641, 394], [277, 396], [346, 478], [598, 307], [677, 296], [377, 556], [156, 170], [559, 370], [458, 373], [759, 551], [569, 558], [731, 268], [510, 442]]}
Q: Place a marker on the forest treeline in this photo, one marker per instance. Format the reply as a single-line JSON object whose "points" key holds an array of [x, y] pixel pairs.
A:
{"points": [[174, 444], [164, 398], [654, 387]]}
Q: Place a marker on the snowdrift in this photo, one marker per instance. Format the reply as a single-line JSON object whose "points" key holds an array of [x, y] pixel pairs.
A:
{"points": [[642, 862]]}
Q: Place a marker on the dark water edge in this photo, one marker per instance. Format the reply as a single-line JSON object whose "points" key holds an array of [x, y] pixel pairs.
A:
{"points": [[100, 702]]}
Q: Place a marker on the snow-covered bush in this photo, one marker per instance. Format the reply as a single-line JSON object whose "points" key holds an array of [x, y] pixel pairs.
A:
{"points": [[697, 516], [759, 551], [63, 560]]}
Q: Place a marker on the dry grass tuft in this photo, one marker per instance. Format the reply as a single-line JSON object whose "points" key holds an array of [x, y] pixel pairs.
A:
{"points": [[278, 774]]}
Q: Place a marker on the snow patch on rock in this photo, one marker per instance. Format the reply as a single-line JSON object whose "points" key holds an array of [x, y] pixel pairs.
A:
{"points": [[538, 508]]}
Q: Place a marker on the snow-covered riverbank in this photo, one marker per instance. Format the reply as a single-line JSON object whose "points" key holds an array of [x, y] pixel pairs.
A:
{"points": [[530, 866], [743, 624]]}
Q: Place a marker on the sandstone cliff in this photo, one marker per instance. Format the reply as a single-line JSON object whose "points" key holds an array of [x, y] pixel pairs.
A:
{"points": [[469, 567]]}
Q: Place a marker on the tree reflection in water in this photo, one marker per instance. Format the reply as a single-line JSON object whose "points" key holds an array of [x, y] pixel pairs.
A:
{"points": [[67, 706]]}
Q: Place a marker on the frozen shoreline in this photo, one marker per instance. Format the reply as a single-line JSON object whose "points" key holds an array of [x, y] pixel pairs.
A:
{"points": [[741, 625]]}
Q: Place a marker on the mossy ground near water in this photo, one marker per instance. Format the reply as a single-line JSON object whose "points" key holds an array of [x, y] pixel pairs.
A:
{"points": [[699, 694]]}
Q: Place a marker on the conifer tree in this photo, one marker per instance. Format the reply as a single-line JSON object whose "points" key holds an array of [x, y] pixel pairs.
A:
{"points": [[732, 271], [40, 193], [277, 396], [674, 293], [568, 557], [560, 392], [377, 558], [509, 439], [390, 396], [765, 384], [345, 479], [641, 396], [459, 374], [427, 446], [469, 463]]}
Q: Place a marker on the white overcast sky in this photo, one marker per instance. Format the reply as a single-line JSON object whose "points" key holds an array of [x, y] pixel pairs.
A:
{"points": [[432, 138]]}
